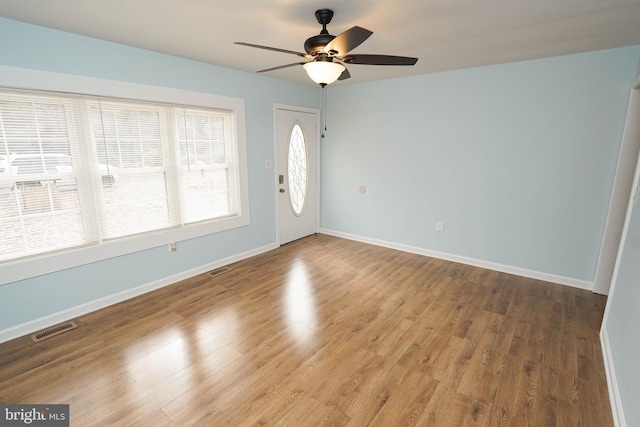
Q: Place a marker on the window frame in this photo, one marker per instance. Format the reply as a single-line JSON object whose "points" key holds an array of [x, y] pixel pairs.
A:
{"points": [[28, 79]]}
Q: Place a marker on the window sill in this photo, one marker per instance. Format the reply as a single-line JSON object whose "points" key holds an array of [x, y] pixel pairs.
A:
{"points": [[26, 268]]}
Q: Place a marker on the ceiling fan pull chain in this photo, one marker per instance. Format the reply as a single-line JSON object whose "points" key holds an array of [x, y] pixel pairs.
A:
{"points": [[323, 110]]}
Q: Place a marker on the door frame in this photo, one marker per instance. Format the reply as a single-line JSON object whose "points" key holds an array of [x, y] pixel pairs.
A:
{"points": [[294, 108], [620, 194]]}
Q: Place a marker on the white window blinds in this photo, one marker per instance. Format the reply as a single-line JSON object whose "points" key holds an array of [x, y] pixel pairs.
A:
{"points": [[80, 170], [130, 140], [206, 168], [37, 213]]}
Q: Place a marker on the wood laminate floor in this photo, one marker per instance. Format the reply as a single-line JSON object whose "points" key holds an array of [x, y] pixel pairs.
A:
{"points": [[326, 331]]}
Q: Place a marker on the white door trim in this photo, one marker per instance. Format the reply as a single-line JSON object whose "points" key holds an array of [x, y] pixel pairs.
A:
{"points": [[620, 193], [315, 111]]}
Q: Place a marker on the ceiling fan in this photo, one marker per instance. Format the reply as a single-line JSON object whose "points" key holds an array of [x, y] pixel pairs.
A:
{"points": [[328, 53]]}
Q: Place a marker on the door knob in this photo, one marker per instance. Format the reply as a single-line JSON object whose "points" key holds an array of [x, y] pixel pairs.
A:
{"points": [[282, 190]]}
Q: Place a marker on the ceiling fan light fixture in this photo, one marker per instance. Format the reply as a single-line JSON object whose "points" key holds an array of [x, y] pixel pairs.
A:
{"points": [[323, 72], [328, 53]]}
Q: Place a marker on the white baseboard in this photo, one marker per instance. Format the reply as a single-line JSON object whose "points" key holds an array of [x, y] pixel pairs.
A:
{"points": [[612, 382], [546, 277], [65, 315]]}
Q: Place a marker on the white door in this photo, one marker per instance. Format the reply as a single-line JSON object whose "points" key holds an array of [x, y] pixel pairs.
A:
{"points": [[296, 173]]}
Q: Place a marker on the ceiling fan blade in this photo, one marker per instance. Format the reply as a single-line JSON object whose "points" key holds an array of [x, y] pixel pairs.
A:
{"points": [[379, 60], [347, 41], [345, 75], [281, 67], [276, 49]]}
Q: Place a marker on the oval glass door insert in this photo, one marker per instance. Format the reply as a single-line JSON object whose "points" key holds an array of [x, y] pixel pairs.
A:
{"points": [[297, 169]]}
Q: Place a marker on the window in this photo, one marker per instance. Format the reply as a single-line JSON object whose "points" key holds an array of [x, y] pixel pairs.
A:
{"points": [[80, 171], [297, 169], [205, 170]]}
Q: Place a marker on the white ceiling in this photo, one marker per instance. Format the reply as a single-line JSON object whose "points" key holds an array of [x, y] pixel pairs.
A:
{"points": [[443, 34]]}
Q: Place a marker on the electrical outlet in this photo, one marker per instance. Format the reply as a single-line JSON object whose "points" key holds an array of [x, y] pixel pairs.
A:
{"points": [[439, 226]]}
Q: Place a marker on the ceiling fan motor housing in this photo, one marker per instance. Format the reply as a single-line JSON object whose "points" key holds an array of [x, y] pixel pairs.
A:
{"points": [[315, 45]]}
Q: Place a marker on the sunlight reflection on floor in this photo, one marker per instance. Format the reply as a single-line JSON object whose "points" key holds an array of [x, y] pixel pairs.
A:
{"points": [[300, 305], [158, 356]]}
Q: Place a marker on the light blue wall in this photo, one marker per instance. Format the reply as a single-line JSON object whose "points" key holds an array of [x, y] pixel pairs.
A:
{"points": [[50, 50], [517, 159]]}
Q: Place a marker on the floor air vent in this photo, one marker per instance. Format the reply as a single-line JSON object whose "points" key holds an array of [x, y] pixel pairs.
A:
{"points": [[218, 271], [56, 330]]}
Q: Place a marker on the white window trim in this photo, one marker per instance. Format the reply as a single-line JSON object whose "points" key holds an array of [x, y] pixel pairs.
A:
{"points": [[21, 78]]}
